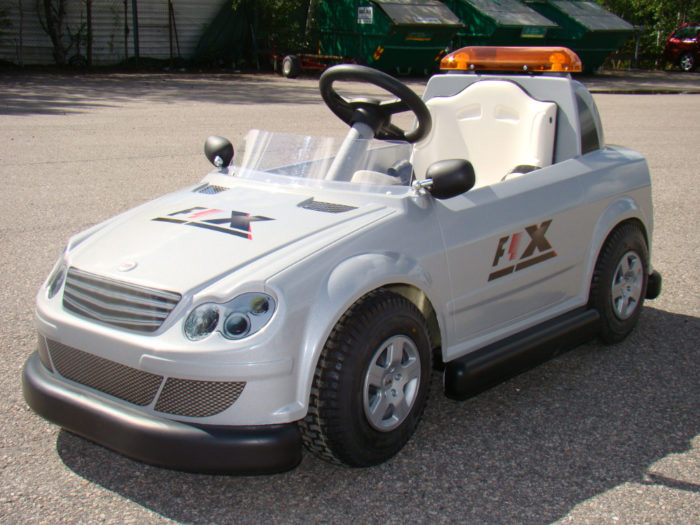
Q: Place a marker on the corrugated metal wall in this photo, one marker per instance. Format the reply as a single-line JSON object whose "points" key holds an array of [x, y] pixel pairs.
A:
{"points": [[108, 47]]}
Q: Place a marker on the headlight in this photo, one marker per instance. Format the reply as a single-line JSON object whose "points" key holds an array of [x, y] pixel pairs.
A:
{"points": [[242, 317], [55, 281], [202, 321], [236, 325]]}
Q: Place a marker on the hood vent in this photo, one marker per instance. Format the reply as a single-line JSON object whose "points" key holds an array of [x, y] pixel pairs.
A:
{"points": [[209, 189], [326, 207]]}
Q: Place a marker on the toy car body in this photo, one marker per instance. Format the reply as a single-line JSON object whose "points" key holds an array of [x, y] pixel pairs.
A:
{"points": [[306, 293]]}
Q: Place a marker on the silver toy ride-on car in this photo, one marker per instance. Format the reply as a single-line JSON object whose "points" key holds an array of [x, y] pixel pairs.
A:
{"points": [[305, 291]]}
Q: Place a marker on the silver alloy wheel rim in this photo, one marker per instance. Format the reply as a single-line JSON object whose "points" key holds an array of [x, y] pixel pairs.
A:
{"points": [[391, 383], [627, 284]]}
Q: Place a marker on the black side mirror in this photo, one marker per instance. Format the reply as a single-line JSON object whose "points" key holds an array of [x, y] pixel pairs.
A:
{"points": [[448, 178], [219, 151]]}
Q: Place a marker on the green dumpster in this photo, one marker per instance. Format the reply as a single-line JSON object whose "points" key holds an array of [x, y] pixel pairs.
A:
{"points": [[585, 27], [405, 37], [499, 23]]}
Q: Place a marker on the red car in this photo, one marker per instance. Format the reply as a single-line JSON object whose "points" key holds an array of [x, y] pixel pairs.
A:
{"points": [[683, 46]]}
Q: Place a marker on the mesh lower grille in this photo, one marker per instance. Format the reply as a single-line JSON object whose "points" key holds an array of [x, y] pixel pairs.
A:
{"points": [[129, 384], [184, 397], [43, 352], [181, 397]]}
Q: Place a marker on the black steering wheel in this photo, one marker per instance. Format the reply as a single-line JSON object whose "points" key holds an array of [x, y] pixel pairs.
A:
{"points": [[377, 114]]}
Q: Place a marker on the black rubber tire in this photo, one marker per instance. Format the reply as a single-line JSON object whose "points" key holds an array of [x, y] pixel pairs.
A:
{"points": [[336, 427], [687, 62], [276, 65], [291, 67], [625, 238]]}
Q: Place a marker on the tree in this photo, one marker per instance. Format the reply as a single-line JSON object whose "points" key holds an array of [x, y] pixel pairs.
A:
{"points": [[66, 43], [51, 16], [282, 23]]}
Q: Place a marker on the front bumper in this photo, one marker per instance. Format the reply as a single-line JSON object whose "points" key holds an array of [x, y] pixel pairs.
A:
{"points": [[262, 449]]}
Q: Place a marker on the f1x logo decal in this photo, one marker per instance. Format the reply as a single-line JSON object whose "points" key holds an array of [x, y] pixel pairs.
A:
{"points": [[510, 246], [238, 223]]}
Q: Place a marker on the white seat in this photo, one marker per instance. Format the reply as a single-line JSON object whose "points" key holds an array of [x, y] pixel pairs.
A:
{"points": [[374, 177], [495, 125]]}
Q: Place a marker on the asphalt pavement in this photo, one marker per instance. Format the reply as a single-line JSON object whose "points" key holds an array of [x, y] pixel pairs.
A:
{"points": [[643, 82], [602, 434]]}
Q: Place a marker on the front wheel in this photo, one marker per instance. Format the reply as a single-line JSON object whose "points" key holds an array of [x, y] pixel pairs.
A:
{"points": [[371, 382], [619, 282]]}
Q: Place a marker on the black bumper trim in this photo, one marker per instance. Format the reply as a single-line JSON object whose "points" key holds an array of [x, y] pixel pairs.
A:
{"points": [[653, 285], [263, 449]]}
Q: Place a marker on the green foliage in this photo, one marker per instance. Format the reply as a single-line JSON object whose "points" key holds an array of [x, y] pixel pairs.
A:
{"points": [[659, 18], [281, 23]]}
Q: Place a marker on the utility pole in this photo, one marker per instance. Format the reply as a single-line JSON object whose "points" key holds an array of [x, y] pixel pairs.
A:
{"points": [[135, 16], [88, 14]]}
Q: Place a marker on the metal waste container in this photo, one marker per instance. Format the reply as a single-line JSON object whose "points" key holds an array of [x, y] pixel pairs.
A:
{"points": [[404, 37], [585, 27], [499, 23]]}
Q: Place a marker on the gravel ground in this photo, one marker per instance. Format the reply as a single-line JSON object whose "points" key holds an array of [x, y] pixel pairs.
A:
{"points": [[598, 435]]}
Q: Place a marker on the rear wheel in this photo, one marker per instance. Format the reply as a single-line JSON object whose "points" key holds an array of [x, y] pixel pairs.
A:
{"points": [[291, 66], [371, 383], [619, 282], [687, 62]]}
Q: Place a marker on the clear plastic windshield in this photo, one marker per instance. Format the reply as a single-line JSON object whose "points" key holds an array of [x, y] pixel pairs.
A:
{"points": [[306, 160]]}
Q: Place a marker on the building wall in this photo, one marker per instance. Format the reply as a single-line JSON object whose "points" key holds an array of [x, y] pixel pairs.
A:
{"points": [[108, 17]]}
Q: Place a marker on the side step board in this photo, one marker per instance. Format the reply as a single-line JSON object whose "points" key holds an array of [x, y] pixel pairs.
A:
{"points": [[479, 370]]}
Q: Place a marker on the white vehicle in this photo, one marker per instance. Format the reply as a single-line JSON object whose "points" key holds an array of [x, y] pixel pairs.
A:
{"points": [[306, 292]]}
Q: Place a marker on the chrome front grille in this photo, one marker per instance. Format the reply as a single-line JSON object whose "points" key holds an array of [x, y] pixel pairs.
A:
{"points": [[116, 303], [132, 385], [180, 397]]}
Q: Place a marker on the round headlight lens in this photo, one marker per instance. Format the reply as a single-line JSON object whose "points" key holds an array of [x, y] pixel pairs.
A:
{"points": [[236, 325], [56, 281], [201, 322], [260, 304]]}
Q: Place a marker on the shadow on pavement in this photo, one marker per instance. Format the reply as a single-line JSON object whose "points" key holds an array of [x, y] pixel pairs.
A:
{"points": [[528, 450], [642, 82], [32, 93], [52, 94]]}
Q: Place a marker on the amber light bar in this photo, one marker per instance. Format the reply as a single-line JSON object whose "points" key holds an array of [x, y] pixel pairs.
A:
{"points": [[495, 58]]}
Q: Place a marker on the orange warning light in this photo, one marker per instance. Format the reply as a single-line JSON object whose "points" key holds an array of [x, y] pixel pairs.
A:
{"points": [[496, 58]]}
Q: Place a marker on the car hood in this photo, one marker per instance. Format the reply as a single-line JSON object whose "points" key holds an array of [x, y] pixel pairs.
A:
{"points": [[190, 239]]}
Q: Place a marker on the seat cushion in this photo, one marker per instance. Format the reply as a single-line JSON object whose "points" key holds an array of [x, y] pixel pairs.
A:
{"points": [[495, 125], [374, 177]]}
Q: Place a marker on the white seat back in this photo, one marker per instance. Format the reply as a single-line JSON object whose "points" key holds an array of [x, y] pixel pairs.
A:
{"points": [[495, 125]]}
